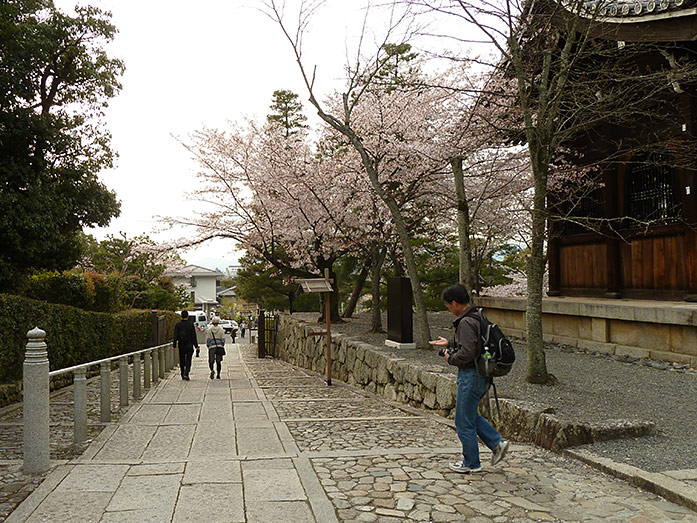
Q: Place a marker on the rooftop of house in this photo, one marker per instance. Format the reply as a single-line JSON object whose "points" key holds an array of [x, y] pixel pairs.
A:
{"points": [[225, 291], [193, 270]]}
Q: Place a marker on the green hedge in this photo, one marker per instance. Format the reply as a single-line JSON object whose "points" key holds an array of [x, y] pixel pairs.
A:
{"points": [[87, 290], [73, 335]]}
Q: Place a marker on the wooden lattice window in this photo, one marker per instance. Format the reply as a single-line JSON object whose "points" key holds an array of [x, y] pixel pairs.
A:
{"points": [[651, 194]]}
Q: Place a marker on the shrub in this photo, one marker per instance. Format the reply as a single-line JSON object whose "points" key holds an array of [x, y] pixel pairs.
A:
{"points": [[73, 335]]}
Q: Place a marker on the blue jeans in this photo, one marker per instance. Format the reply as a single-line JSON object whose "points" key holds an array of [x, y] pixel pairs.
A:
{"points": [[469, 423]]}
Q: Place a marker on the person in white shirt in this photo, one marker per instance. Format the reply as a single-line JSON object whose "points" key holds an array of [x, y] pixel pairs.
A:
{"points": [[215, 341]]}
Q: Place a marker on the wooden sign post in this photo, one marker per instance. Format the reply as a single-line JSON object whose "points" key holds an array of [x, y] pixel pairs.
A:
{"points": [[324, 286]]}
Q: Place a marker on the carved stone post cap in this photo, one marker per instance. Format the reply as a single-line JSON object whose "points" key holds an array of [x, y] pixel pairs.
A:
{"points": [[36, 334]]}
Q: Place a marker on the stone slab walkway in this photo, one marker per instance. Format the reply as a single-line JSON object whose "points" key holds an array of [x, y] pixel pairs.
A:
{"points": [[271, 442]]}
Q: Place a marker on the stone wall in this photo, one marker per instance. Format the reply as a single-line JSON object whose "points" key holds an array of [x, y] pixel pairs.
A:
{"points": [[407, 381], [662, 331], [425, 386]]}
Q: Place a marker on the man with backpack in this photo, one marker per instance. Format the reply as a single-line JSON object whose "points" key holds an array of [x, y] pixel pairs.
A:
{"points": [[463, 352]]}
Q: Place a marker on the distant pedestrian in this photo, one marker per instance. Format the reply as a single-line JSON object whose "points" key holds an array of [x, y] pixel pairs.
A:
{"points": [[233, 331], [243, 326], [215, 341], [471, 387], [185, 337]]}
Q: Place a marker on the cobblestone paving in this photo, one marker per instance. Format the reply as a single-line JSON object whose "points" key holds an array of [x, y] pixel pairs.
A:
{"points": [[534, 485], [276, 393], [387, 483], [283, 381], [358, 435], [15, 486], [289, 410]]}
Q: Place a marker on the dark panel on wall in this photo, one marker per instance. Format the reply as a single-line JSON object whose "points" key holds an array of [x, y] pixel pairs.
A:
{"points": [[654, 263], [584, 266]]}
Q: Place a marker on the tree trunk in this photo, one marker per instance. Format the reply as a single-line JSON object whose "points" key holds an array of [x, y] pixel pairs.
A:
{"points": [[423, 331], [375, 271], [357, 288], [463, 226], [396, 264], [537, 367]]}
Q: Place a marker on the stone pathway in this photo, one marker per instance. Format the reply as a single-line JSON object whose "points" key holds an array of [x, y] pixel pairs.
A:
{"points": [[271, 442]]}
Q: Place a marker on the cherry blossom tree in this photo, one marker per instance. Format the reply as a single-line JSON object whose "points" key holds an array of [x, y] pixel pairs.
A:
{"points": [[274, 194], [490, 177], [362, 87], [567, 85]]}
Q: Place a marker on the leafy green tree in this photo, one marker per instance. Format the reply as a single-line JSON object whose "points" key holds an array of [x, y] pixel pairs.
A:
{"points": [[55, 81], [258, 281], [286, 112], [139, 264], [398, 68]]}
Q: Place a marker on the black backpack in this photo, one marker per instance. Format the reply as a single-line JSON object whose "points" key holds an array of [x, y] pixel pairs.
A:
{"points": [[495, 358], [497, 355]]}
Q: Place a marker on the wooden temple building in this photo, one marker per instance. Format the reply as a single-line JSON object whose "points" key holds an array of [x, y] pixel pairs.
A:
{"points": [[653, 253]]}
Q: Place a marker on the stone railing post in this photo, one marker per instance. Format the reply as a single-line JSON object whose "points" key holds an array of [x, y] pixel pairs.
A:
{"points": [[177, 363], [136, 376], [155, 365], [146, 369], [162, 367], [123, 381], [36, 407], [80, 405], [105, 391], [169, 359]]}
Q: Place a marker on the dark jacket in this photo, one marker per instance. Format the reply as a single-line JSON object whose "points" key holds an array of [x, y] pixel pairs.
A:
{"points": [[467, 339], [185, 335]]}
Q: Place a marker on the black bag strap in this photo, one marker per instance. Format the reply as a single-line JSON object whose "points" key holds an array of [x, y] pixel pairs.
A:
{"points": [[492, 385], [216, 339]]}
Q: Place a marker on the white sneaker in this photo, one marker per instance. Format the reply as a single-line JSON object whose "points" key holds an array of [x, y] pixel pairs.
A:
{"points": [[500, 451], [461, 468]]}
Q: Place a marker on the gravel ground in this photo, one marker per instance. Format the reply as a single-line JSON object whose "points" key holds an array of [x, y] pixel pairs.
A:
{"points": [[591, 387]]}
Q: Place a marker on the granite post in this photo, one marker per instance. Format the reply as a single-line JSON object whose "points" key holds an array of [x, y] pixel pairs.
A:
{"points": [[105, 392], [80, 405], [36, 407]]}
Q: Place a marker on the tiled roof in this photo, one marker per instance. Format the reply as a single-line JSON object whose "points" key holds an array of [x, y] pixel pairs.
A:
{"points": [[636, 10], [192, 270]]}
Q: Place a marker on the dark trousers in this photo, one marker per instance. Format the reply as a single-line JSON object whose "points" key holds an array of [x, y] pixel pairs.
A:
{"points": [[185, 354], [214, 358]]}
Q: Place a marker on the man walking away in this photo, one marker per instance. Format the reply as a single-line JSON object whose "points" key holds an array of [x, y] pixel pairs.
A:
{"points": [[471, 387], [185, 338]]}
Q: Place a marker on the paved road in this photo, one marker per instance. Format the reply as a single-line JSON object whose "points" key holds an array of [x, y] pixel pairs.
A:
{"points": [[272, 443]]}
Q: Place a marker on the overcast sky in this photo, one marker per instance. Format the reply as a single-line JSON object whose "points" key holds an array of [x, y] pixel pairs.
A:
{"points": [[194, 64]]}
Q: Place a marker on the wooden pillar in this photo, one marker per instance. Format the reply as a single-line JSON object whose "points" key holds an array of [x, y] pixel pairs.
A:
{"points": [[328, 319], [553, 261], [613, 267], [261, 335], [613, 262]]}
